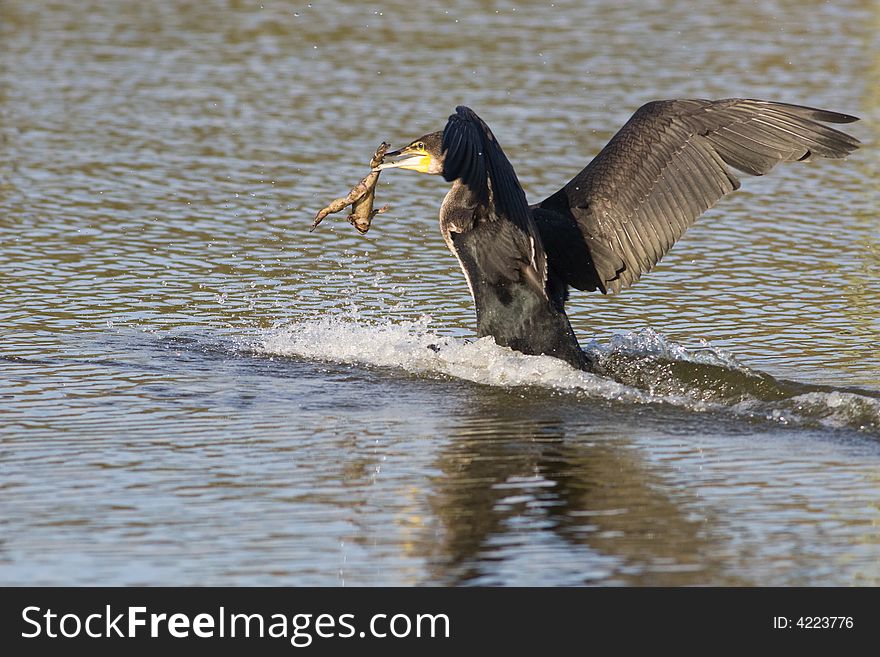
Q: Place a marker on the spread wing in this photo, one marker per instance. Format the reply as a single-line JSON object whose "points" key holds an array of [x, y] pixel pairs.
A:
{"points": [[666, 166]]}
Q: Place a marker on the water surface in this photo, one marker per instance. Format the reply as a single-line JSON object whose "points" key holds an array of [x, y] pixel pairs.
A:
{"points": [[195, 390]]}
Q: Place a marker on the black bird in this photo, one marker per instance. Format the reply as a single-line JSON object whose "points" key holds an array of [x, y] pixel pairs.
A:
{"points": [[615, 219]]}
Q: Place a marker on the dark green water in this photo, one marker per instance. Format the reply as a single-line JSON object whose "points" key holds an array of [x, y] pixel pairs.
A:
{"points": [[195, 390]]}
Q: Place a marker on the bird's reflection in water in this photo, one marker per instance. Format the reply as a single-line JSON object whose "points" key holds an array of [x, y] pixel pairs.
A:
{"points": [[516, 479]]}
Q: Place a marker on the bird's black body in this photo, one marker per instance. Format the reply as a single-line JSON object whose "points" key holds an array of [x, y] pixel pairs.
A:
{"points": [[509, 306], [488, 225], [615, 219]]}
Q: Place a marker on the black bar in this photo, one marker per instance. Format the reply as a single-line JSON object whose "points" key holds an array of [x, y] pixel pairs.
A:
{"points": [[518, 620]]}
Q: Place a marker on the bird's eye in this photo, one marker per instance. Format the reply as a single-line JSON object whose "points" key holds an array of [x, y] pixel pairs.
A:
{"points": [[421, 145]]}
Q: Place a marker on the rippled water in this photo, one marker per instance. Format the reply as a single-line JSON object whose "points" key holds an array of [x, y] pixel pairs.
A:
{"points": [[195, 390]]}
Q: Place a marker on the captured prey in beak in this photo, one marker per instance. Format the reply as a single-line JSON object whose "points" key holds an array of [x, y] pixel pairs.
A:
{"points": [[423, 155], [360, 198]]}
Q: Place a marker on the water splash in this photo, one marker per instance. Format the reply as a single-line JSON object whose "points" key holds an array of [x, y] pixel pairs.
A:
{"points": [[414, 347], [635, 367]]}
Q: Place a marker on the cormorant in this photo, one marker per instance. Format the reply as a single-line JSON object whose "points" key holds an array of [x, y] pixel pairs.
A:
{"points": [[614, 220]]}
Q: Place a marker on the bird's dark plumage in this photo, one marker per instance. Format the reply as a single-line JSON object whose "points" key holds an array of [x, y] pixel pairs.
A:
{"points": [[474, 156], [669, 164], [614, 220], [487, 224]]}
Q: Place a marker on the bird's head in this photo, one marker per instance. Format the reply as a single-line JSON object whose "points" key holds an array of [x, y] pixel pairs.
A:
{"points": [[424, 155]]}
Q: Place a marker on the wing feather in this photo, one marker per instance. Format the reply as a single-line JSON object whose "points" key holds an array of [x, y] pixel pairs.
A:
{"points": [[473, 156], [666, 166]]}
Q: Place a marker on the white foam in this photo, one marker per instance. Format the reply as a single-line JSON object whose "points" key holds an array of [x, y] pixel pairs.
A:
{"points": [[647, 342], [839, 408], [412, 346]]}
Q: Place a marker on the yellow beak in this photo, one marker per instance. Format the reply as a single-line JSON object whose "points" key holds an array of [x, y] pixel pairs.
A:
{"points": [[416, 160]]}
